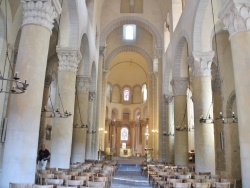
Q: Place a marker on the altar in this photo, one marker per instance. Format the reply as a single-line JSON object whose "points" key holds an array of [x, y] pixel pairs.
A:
{"points": [[125, 152]]}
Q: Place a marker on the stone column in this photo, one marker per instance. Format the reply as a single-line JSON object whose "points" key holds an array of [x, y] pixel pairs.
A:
{"points": [[235, 15], [63, 127], [100, 113], [90, 136], [104, 98], [25, 110], [170, 129], [202, 97], [180, 86], [81, 119]]}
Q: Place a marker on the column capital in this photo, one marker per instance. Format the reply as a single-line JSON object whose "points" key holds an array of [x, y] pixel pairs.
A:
{"points": [[168, 98], [158, 53], [201, 63], [68, 59], [83, 84], [41, 13], [180, 86], [92, 95], [235, 16], [102, 50], [105, 72]]}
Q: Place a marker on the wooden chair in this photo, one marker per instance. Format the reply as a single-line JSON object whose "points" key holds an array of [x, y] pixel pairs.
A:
{"points": [[202, 185], [53, 181], [184, 176], [73, 174], [201, 178], [171, 182], [96, 184], [211, 182], [232, 181], [83, 178], [192, 181], [59, 186], [74, 182], [181, 185], [222, 185], [45, 176], [102, 179], [20, 185]]}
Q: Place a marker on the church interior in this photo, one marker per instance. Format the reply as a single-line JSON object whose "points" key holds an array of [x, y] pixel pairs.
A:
{"points": [[109, 80]]}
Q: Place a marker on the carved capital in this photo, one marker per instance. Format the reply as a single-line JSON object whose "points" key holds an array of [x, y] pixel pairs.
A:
{"points": [[83, 84], [201, 63], [40, 12], [168, 98], [68, 59], [180, 86], [235, 16], [158, 53], [106, 73], [102, 50], [92, 95]]}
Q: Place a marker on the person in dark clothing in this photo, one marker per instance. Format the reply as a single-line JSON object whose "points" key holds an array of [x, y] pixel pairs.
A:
{"points": [[43, 156]]}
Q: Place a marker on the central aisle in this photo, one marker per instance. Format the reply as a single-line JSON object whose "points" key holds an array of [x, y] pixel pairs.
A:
{"points": [[129, 176]]}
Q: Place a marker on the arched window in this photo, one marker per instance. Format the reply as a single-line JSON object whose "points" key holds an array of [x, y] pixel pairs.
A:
{"points": [[124, 133], [129, 32], [144, 93], [126, 94]]}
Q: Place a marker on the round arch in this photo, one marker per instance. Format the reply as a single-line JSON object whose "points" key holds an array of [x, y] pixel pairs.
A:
{"points": [[130, 48], [133, 20], [179, 56], [84, 65]]}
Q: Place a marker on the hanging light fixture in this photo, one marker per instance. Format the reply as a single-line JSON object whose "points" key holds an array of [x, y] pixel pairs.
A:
{"points": [[76, 125], [208, 119], [52, 112], [18, 86]]}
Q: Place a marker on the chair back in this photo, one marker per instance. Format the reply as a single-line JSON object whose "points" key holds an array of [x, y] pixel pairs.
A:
{"points": [[96, 184], [74, 182], [20, 185], [53, 181], [222, 185], [202, 185], [232, 181], [182, 185]]}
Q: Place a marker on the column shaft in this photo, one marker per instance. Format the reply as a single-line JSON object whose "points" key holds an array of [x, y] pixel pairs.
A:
{"points": [[19, 164], [241, 58]]}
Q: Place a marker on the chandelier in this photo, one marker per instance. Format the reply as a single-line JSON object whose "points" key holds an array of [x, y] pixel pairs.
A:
{"points": [[18, 86], [208, 119]]}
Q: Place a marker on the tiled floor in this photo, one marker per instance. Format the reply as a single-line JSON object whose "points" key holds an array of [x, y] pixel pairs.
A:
{"points": [[129, 176]]}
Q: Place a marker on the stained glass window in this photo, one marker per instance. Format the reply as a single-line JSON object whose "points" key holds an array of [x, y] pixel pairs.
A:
{"points": [[124, 133]]}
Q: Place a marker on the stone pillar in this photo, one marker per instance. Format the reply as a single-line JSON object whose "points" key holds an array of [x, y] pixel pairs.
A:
{"points": [[81, 119], [202, 97], [104, 98], [170, 129], [180, 86], [25, 110], [90, 150], [100, 114], [63, 127], [235, 16]]}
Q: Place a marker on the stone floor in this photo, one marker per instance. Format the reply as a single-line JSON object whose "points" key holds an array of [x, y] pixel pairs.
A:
{"points": [[129, 176]]}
